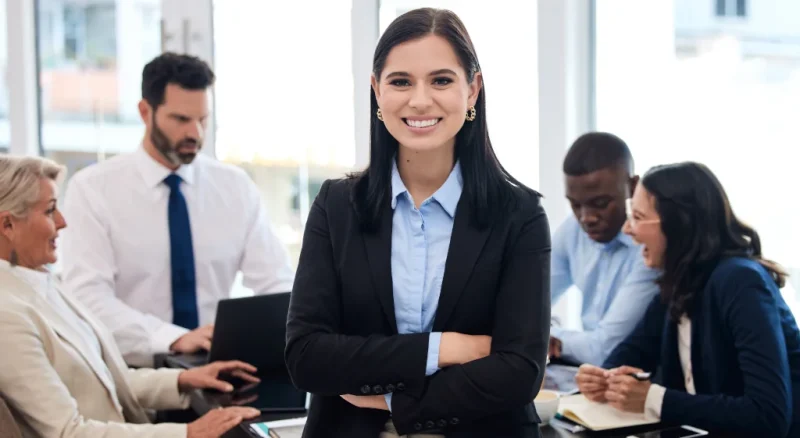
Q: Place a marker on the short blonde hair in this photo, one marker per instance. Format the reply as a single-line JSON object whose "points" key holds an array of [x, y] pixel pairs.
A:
{"points": [[19, 181]]}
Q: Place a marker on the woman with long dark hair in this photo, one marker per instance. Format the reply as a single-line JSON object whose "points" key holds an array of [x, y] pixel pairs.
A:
{"points": [[725, 340], [421, 304]]}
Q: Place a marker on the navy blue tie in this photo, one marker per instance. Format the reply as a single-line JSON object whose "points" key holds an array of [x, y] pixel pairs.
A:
{"points": [[184, 284]]}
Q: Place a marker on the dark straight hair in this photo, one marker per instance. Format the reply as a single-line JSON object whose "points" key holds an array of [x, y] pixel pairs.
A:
{"points": [[701, 230], [487, 185]]}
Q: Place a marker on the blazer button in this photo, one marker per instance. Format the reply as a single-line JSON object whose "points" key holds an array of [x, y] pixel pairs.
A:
{"points": [[417, 426], [441, 423], [454, 421], [429, 424], [390, 388], [378, 389], [401, 386], [365, 389]]}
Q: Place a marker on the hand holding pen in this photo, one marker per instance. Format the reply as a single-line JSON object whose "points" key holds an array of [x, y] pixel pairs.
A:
{"points": [[627, 388]]}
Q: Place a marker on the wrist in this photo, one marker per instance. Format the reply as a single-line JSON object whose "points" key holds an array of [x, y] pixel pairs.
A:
{"points": [[174, 345], [446, 358], [182, 386]]}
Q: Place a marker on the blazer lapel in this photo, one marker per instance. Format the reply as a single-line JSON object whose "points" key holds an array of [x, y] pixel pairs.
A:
{"points": [[379, 256], [466, 244], [696, 349], [112, 359], [67, 333], [671, 363]]}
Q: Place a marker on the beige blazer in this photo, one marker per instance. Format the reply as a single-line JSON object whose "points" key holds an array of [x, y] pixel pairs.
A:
{"points": [[55, 388], [8, 427]]}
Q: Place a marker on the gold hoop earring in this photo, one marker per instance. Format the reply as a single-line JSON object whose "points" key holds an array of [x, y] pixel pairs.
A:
{"points": [[470, 114], [380, 115]]}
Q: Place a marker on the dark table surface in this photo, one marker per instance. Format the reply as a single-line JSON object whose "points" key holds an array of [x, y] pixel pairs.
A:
{"points": [[203, 401]]}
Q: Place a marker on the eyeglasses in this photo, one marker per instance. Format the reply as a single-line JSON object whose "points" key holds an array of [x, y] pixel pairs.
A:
{"points": [[635, 222]]}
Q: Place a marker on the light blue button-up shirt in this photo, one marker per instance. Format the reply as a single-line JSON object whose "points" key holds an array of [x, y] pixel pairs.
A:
{"points": [[615, 283], [420, 241]]}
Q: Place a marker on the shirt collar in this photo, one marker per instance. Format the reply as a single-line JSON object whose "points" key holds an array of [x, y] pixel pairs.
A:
{"points": [[626, 239], [447, 196], [38, 280], [154, 172], [621, 239]]}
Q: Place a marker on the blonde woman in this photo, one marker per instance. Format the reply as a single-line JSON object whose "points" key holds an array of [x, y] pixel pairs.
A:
{"points": [[61, 373]]}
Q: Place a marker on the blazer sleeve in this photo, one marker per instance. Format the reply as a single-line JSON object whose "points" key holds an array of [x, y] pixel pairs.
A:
{"points": [[751, 312], [322, 361], [511, 375], [642, 347], [33, 389], [157, 389]]}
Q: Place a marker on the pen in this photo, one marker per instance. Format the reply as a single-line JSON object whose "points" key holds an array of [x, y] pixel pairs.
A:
{"points": [[640, 376]]}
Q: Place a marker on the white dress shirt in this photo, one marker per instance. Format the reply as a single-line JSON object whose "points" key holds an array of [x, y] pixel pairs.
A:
{"points": [[43, 283], [655, 395], [116, 247]]}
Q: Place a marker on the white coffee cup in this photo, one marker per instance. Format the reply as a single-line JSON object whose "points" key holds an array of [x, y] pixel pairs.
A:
{"points": [[546, 403]]}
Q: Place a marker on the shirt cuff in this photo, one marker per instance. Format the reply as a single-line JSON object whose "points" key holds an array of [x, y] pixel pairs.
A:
{"points": [[654, 402], [165, 336], [388, 398], [432, 365]]}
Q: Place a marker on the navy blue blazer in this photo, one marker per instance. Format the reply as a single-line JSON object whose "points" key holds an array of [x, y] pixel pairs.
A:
{"points": [[745, 355]]}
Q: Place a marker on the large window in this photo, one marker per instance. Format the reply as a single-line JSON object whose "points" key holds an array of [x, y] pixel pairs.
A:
{"points": [[91, 54], [505, 38], [680, 81], [284, 100], [5, 131]]}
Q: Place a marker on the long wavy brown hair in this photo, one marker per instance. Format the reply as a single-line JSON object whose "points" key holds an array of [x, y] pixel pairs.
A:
{"points": [[701, 230]]}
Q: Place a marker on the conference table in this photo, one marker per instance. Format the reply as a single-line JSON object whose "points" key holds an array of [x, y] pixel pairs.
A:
{"points": [[203, 401]]}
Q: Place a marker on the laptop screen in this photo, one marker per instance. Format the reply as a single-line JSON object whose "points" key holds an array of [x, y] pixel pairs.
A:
{"points": [[271, 396]]}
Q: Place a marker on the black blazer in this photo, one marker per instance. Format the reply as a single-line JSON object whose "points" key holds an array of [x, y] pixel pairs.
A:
{"points": [[745, 354], [342, 335]]}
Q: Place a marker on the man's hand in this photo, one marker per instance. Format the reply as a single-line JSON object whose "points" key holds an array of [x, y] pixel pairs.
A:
{"points": [[554, 351], [458, 349], [366, 401], [208, 376], [624, 392], [592, 382], [194, 341]]}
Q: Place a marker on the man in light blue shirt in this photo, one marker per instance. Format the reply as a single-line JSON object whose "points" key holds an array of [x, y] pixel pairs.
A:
{"points": [[590, 251]]}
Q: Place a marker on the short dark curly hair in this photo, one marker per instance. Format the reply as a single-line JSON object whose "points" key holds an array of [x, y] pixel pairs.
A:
{"points": [[595, 151], [189, 72]]}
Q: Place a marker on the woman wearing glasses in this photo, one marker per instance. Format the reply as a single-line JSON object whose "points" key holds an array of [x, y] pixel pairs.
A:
{"points": [[727, 343]]}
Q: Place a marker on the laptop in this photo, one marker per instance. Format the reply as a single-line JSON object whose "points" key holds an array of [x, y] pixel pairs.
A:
{"points": [[253, 330], [561, 378]]}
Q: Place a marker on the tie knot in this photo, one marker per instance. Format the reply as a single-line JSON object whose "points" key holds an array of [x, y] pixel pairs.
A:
{"points": [[173, 181]]}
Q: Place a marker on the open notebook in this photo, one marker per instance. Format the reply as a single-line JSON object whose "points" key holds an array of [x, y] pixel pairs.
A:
{"points": [[291, 428], [598, 416]]}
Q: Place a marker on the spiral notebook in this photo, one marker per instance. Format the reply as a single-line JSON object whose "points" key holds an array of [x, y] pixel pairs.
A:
{"points": [[598, 416]]}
